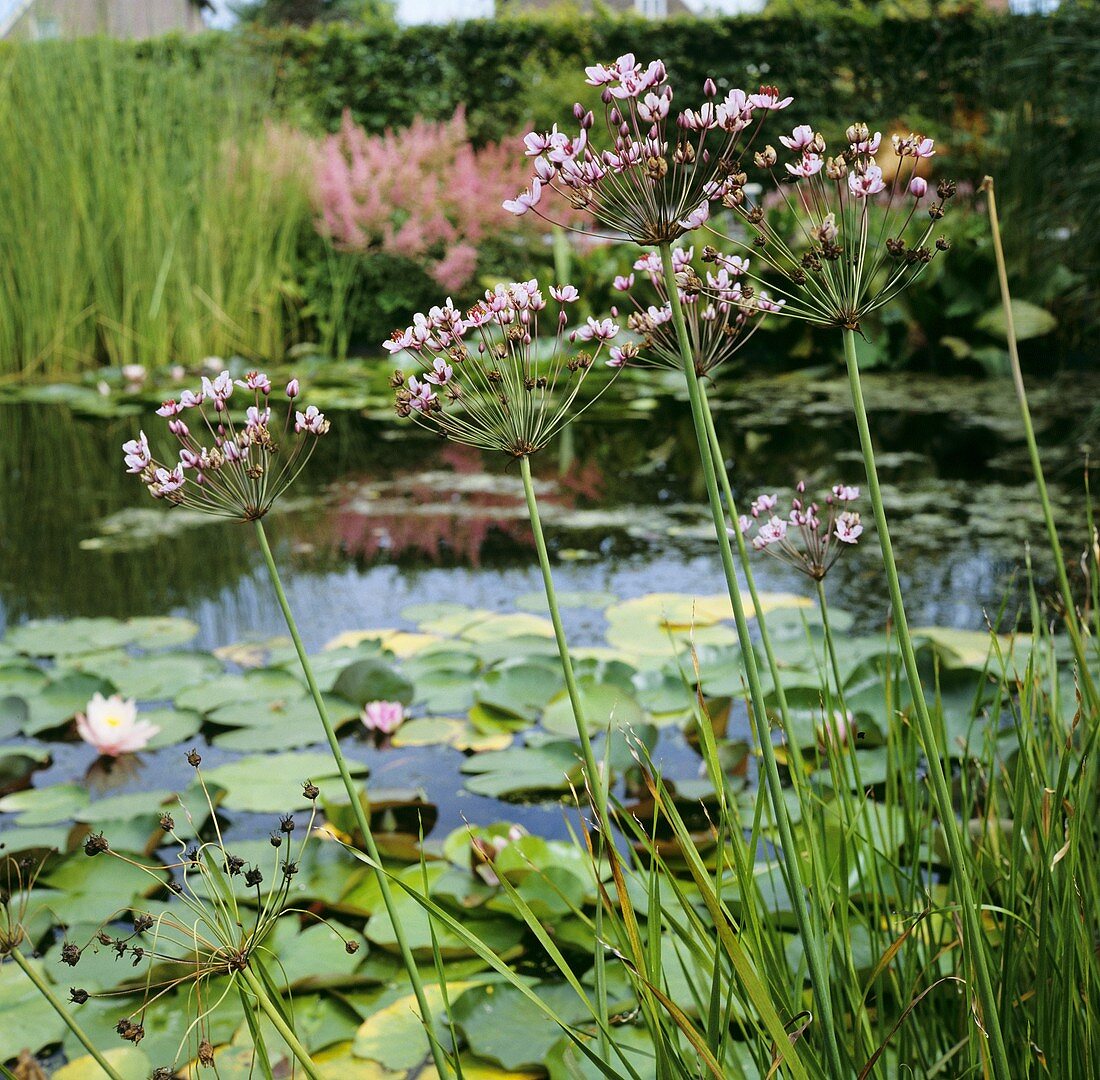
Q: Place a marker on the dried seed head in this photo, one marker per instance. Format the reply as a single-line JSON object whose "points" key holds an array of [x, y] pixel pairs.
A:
{"points": [[96, 844], [194, 758], [77, 996], [310, 790]]}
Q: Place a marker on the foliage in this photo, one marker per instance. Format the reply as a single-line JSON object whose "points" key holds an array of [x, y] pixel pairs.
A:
{"points": [[309, 12], [145, 217]]}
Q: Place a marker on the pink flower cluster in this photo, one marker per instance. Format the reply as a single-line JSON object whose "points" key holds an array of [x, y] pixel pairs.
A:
{"points": [[234, 469], [721, 313], [424, 193], [486, 378], [803, 539], [840, 265], [659, 171]]}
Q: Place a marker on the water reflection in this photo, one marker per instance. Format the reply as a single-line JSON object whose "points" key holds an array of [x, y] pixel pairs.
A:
{"points": [[395, 516]]}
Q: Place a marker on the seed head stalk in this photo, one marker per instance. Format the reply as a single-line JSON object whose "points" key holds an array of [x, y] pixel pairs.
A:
{"points": [[281, 1026], [812, 941], [1072, 623], [962, 865], [43, 988], [361, 819]]}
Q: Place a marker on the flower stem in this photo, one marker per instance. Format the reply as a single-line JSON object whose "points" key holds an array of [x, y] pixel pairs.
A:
{"points": [[746, 569], [361, 820], [811, 940], [43, 988], [1072, 623], [962, 867], [591, 768], [280, 1024]]}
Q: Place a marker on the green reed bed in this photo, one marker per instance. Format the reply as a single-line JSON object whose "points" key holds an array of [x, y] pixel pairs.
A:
{"points": [[145, 221]]}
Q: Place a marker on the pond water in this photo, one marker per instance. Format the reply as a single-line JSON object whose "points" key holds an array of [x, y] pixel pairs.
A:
{"points": [[389, 516]]}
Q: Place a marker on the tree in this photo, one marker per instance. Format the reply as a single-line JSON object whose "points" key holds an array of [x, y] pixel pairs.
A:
{"points": [[308, 12]]}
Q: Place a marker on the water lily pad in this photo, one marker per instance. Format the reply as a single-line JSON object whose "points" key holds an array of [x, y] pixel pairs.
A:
{"points": [[129, 1062], [47, 805], [69, 638], [604, 705], [176, 726], [158, 676], [21, 679], [1029, 321], [62, 700], [300, 711], [272, 783], [372, 680], [394, 1036], [521, 690], [263, 685], [29, 1021], [523, 771], [593, 600], [429, 731]]}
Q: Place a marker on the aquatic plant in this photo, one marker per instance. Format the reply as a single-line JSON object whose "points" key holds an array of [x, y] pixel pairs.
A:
{"points": [[112, 727], [850, 267], [238, 471]]}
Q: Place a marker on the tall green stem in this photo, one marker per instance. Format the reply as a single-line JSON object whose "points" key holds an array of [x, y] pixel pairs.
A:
{"points": [[811, 940], [592, 770], [1072, 623], [44, 989], [962, 866], [361, 820], [281, 1026], [746, 569]]}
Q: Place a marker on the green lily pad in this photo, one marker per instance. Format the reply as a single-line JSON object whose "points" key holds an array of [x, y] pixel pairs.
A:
{"points": [[604, 705], [523, 771], [372, 680], [521, 690], [272, 783], [62, 699], [153, 676], [255, 687], [1029, 321]]}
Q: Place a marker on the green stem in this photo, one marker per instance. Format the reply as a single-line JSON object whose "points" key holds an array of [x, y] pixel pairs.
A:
{"points": [[1072, 623], [280, 1024], [746, 569], [812, 942], [592, 771], [830, 646], [361, 820], [55, 1003], [591, 768], [962, 866]]}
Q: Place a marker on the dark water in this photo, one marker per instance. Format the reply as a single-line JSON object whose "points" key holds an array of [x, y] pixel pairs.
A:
{"points": [[389, 516]]}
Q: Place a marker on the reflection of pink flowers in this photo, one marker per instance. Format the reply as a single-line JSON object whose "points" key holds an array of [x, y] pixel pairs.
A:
{"points": [[384, 717], [112, 727]]}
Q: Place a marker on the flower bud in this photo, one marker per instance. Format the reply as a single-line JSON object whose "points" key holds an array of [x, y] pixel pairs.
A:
{"points": [[765, 158], [918, 187], [709, 88]]}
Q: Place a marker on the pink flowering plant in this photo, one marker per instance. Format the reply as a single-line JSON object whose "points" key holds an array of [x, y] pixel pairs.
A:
{"points": [[487, 378], [864, 221], [658, 168], [810, 537], [424, 193], [383, 717], [231, 467], [721, 312]]}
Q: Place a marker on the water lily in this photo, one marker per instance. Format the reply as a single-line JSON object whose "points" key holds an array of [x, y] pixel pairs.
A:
{"points": [[112, 727], [383, 716]]}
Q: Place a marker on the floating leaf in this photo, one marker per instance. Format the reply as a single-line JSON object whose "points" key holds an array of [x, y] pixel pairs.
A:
{"points": [[1029, 321], [523, 771], [372, 680], [272, 783]]}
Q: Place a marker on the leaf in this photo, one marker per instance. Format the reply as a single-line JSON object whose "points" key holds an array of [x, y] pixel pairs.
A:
{"points": [[129, 1062], [523, 770], [372, 680], [604, 705], [1029, 321], [62, 700], [272, 783]]}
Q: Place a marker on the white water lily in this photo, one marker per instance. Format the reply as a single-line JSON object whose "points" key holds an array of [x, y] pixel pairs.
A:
{"points": [[112, 727]]}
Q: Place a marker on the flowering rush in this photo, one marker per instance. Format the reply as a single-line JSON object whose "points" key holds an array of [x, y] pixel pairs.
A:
{"points": [[229, 467], [487, 378], [112, 727], [865, 217], [805, 539], [660, 169], [720, 312]]}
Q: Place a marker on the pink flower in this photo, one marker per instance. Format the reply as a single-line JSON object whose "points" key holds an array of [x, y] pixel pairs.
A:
{"points": [[771, 532], [564, 294], [255, 380], [292, 389], [441, 372], [768, 98], [111, 726], [598, 329], [845, 493], [799, 139], [918, 187], [807, 165], [170, 408], [137, 454], [423, 395], [383, 716], [312, 420], [763, 503], [848, 528], [623, 282], [924, 148], [220, 388], [166, 481], [696, 218], [525, 200], [868, 182]]}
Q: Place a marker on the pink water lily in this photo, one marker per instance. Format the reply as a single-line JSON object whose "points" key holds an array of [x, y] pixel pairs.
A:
{"points": [[112, 727], [384, 717]]}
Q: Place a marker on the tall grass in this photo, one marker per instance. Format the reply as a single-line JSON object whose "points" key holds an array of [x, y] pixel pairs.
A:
{"points": [[143, 219]]}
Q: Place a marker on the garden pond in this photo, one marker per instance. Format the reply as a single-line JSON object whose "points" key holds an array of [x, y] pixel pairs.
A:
{"points": [[411, 569]]}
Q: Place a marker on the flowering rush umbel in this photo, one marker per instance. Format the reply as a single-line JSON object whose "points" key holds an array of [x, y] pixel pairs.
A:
{"points": [[233, 467], [806, 539], [865, 218], [487, 378], [660, 169], [720, 311]]}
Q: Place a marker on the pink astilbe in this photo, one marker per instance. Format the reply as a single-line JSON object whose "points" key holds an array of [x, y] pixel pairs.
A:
{"points": [[424, 193]]}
